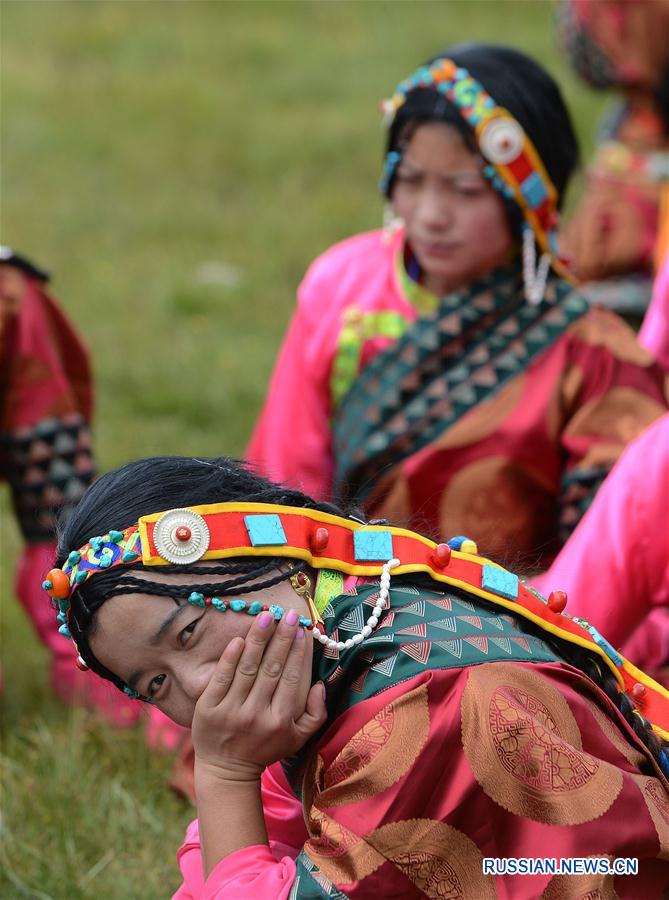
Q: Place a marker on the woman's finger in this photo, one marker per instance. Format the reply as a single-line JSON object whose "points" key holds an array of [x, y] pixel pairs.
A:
{"points": [[272, 666], [224, 673], [315, 714], [284, 699], [248, 667]]}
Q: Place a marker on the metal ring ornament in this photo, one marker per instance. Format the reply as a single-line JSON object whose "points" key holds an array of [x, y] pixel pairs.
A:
{"points": [[177, 551], [501, 140]]}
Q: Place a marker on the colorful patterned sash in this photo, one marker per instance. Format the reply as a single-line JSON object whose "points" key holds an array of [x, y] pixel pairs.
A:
{"points": [[441, 368]]}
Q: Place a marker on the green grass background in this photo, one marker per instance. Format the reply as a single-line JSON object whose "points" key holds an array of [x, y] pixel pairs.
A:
{"points": [[145, 146]]}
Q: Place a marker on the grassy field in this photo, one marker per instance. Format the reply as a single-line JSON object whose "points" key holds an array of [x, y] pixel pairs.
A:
{"points": [[177, 165]]}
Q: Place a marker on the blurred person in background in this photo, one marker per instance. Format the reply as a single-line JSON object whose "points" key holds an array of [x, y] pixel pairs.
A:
{"points": [[622, 47], [46, 399], [627, 529], [443, 372]]}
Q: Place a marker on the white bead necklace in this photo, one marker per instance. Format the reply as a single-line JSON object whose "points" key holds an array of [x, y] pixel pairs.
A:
{"points": [[372, 621]]}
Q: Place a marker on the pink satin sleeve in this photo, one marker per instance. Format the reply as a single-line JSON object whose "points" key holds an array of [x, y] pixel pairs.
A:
{"points": [[291, 441], [615, 566], [654, 334], [253, 872]]}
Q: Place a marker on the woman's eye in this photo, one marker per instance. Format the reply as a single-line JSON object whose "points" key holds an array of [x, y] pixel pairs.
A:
{"points": [[187, 631], [469, 188], [154, 686], [409, 178]]}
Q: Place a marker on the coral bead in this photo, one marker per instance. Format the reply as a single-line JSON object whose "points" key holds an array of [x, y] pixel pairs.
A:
{"points": [[442, 556], [638, 691], [319, 540], [557, 600], [60, 584], [183, 533]]}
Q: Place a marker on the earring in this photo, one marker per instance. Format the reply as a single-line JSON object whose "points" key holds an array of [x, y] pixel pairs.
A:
{"points": [[301, 584], [534, 275], [391, 222]]}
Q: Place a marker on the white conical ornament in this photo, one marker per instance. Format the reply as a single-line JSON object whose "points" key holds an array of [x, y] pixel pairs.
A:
{"points": [[534, 277]]}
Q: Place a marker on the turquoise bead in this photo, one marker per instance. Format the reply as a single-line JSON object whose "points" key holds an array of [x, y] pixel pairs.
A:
{"points": [[196, 599], [65, 631], [63, 605], [80, 577], [238, 605], [96, 543], [130, 556], [105, 562], [74, 558], [62, 618], [277, 611], [46, 585], [219, 604], [306, 623], [254, 608], [115, 536]]}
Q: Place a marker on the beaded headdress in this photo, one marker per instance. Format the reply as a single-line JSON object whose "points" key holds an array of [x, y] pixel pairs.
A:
{"points": [[333, 544], [514, 166]]}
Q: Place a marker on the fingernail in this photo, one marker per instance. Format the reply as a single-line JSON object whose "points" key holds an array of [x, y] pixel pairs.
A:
{"points": [[291, 617], [299, 634], [264, 620]]}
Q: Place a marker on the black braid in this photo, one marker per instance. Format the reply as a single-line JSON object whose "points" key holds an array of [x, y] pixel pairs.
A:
{"points": [[605, 680], [81, 623]]}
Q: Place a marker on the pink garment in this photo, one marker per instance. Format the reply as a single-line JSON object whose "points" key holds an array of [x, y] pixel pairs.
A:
{"points": [[248, 869], [654, 334], [615, 566], [360, 267]]}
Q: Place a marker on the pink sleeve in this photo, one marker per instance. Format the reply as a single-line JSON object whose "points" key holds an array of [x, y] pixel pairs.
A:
{"points": [[291, 442], [250, 874], [654, 334], [615, 566], [267, 868]]}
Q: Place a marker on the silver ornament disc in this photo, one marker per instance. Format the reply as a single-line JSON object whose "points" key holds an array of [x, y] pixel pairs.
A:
{"points": [[501, 140], [177, 551]]}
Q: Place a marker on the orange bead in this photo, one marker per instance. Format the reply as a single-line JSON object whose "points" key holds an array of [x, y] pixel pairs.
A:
{"points": [[319, 540], [557, 600], [60, 584], [441, 556]]}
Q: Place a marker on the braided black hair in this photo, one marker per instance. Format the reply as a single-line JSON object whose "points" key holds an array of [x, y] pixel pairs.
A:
{"points": [[118, 499]]}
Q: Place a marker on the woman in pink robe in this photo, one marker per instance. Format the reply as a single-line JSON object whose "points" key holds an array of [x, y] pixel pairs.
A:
{"points": [[438, 378]]}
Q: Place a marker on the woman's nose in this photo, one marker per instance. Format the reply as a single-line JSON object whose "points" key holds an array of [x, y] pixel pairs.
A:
{"points": [[435, 209]]}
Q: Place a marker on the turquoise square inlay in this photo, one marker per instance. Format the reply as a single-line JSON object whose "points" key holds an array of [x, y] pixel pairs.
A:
{"points": [[265, 530], [371, 546], [500, 582]]}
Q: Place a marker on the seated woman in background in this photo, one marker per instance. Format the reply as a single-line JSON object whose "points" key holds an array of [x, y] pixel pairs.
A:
{"points": [[46, 456], [441, 375], [427, 709]]}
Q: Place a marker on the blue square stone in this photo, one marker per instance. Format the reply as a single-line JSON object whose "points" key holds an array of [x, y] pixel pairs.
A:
{"points": [[500, 582], [371, 546], [265, 530], [534, 190]]}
